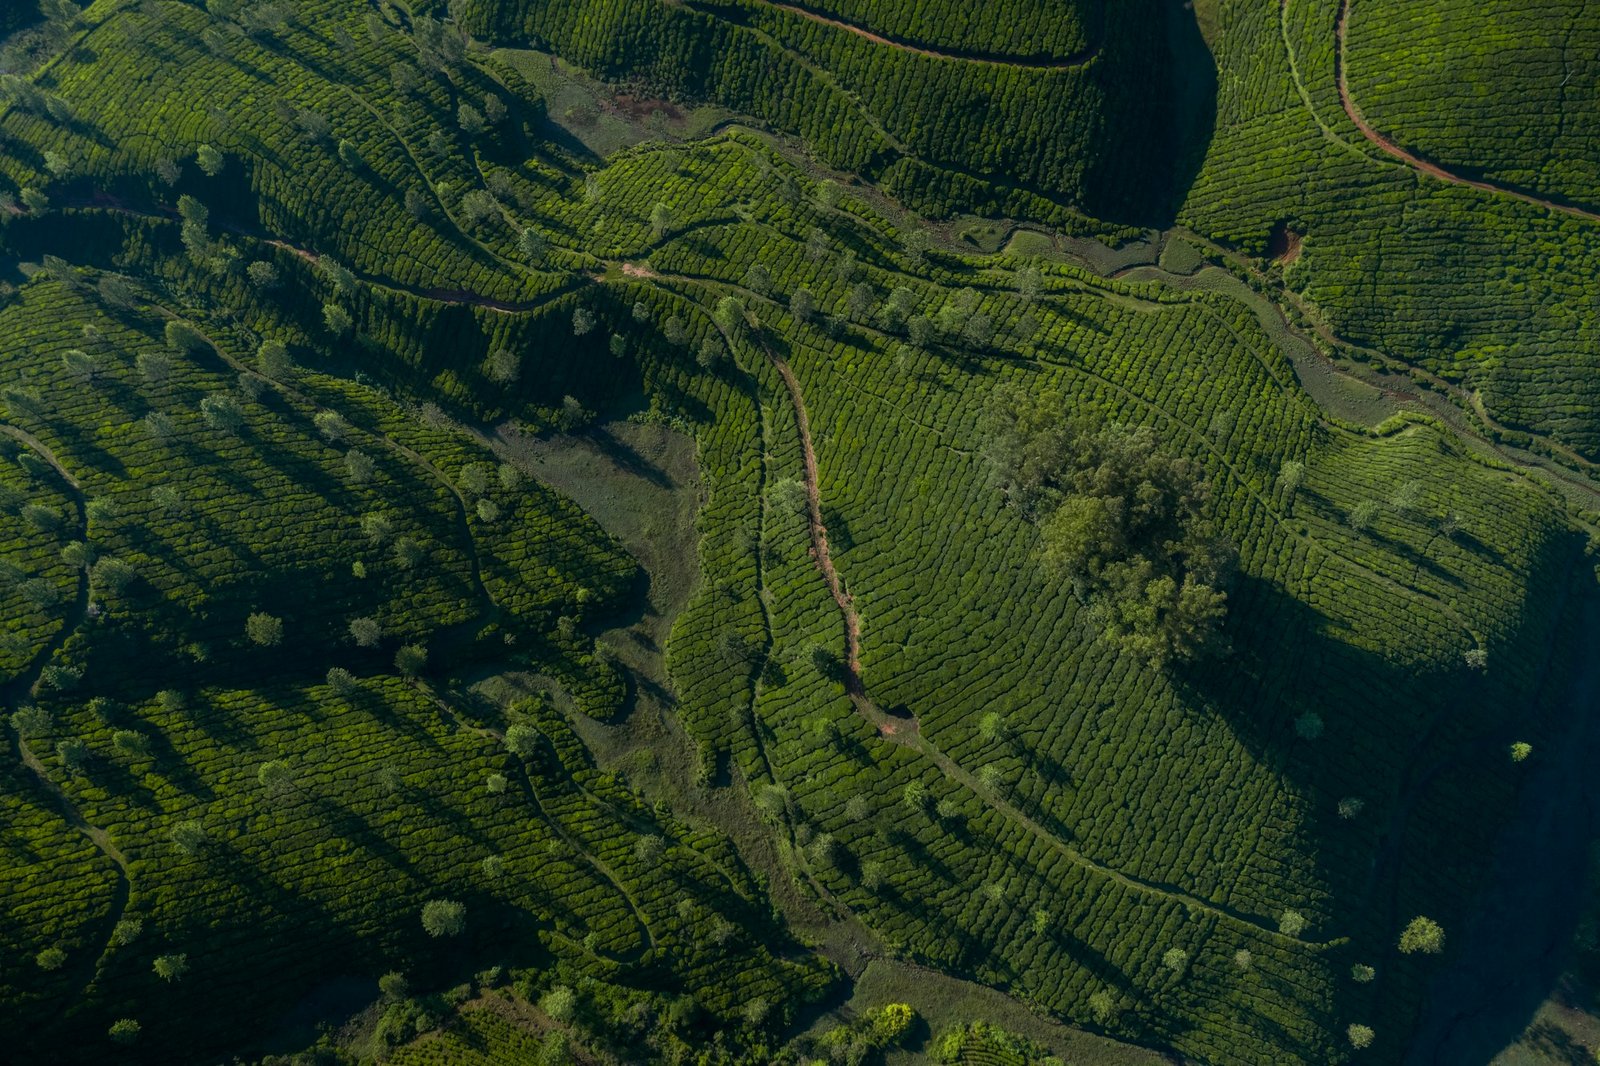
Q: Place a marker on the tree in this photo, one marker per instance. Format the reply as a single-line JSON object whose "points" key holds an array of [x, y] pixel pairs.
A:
{"points": [[124, 1031], [189, 837], [1520, 751], [502, 367], [410, 660], [1350, 806], [130, 744], [802, 304], [350, 156], [275, 776], [182, 337], [1121, 518], [82, 366], [1422, 935], [338, 320], [264, 630], [73, 754], [582, 321], [209, 160], [171, 967], [331, 424], [1362, 974], [1103, 1007], [222, 413], [343, 682], [494, 867], [377, 526], [496, 784], [126, 931], [523, 740], [1362, 515], [531, 245], [560, 1003], [359, 465], [31, 721], [418, 204], [1175, 959], [649, 849], [51, 958], [409, 554], [393, 986], [660, 220], [915, 797], [444, 917], [992, 727], [471, 120], [1360, 1036], [273, 360], [1291, 923], [153, 366], [366, 631], [1291, 475], [1243, 959], [729, 314], [112, 575], [712, 353], [1308, 726]]}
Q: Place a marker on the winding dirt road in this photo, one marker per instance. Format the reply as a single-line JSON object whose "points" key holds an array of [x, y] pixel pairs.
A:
{"points": [[1416, 162]]}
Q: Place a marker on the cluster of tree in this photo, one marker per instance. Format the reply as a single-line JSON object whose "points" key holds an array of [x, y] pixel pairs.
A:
{"points": [[1122, 518]]}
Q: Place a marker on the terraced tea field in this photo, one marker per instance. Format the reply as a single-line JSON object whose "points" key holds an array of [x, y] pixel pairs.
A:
{"points": [[504, 585]]}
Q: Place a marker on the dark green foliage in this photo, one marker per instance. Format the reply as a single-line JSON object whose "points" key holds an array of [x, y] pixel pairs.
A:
{"points": [[1122, 519]]}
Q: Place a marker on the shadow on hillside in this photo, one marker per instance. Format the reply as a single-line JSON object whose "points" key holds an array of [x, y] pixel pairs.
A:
{"points": [[1332, 719]]}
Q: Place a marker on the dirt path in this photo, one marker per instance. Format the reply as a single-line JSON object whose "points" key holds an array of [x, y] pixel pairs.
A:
{"points": [[1040, 62], [1389, 147]]}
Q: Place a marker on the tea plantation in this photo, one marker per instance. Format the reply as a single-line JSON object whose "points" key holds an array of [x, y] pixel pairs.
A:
{"points": [[366, 702]]}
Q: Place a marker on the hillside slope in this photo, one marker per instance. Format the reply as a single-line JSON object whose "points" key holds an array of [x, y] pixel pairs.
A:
{"points": [[293, 649]]}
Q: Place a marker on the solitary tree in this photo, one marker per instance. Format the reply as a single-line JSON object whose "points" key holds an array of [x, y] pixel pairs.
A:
{"points": [[1103, 1007], [1360, 1036], [222, 413], [124, 1031], [1423, 935], [502, 367], [444, 917], [660, 220], [410, 660], [1291, 923], [263, 629], [1175, 959], [366, 632], [275, 776], [522, 740], [189, 837], [273, 360], [171, 967], [126, 931], [210, 160], [130, 744], [51, 958]]}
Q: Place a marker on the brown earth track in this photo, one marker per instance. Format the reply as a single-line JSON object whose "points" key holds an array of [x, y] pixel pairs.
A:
{"points": [[1416, 162]]}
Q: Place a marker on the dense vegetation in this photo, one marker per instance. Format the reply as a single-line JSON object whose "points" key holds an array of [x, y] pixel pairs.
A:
{"points": [[1072, 620]]}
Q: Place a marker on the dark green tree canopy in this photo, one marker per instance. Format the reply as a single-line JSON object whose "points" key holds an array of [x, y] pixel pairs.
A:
{"points": [[1122, 518]]}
